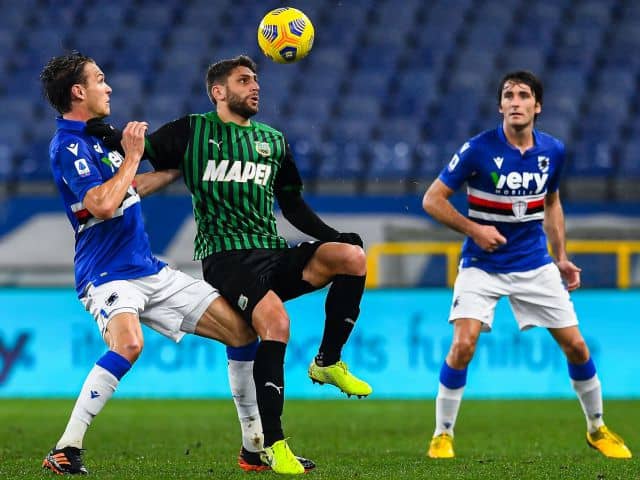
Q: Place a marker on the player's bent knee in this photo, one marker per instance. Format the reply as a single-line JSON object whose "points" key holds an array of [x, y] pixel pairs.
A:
{"points": [[357, 261], [130, 350]]}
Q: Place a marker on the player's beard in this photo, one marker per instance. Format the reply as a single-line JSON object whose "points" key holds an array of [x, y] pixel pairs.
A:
{"points": [[239, 106]]}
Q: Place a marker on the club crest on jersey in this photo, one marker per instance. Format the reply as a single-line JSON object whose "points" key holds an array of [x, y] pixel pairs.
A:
{"points": [[243, 302], [519, 208], [263, 148], [543, 163]]}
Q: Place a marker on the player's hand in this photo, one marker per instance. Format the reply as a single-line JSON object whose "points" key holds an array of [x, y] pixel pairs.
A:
{"points": [[488, 238], [351, 238], [106, 132], [570, 274], [133, 139]]}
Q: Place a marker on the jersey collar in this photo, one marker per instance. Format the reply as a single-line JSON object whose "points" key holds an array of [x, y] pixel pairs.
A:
{"points": [[73, 125], [503, 138]]}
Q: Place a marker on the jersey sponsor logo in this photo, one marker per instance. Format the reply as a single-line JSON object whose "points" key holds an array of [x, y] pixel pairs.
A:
{"points": [[113, 160], [531, 181], [453, 163], [498, 161], [82, 167], [73, 148], [263, 148], [543, 163], [236, 171]]}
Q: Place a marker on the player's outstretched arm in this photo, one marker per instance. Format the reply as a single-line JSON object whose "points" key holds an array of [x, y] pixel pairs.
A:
{"points": [[150, 182], [436, 203]]}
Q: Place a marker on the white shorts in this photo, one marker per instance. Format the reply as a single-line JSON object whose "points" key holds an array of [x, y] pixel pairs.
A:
{"points": [[170, 302], [538, 297]]}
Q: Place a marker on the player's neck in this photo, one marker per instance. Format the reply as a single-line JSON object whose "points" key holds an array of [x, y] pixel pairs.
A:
{"points": [[77, 114], [522, 139], [228, 116]]}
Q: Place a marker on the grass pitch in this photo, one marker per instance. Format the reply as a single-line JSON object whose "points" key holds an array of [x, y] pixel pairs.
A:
{"points": [[365, 439]]}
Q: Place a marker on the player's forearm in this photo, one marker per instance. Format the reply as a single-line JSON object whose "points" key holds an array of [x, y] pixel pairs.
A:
{"points": [[102, 201], [441, 210], [151, 182], [555, 230]]}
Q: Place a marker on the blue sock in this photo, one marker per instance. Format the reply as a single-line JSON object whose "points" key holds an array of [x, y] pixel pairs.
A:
{"points": [[582, 372], [114, 363], [452, 378], [246, 353]]}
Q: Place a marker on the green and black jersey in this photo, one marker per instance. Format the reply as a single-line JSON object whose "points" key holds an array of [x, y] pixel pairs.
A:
{"points": [[233, 173]]}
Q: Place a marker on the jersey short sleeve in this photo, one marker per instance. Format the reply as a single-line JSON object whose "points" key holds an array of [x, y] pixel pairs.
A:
{"points": [[288, 177], [165, 147], [559, 159], [459, 168], [78, 168]]}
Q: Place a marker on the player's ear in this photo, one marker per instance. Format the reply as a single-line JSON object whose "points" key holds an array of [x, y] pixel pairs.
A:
{"points": [[77, 91], [218, 92], [538, 107]]}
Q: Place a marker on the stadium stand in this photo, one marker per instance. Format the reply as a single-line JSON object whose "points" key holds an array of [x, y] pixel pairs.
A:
{"points": [[392, 89]]}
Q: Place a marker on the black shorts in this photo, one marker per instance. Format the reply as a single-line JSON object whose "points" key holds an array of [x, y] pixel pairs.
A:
{"points": [[243, 277]]}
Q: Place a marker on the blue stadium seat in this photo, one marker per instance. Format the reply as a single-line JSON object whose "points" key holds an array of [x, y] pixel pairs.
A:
{"points": [[629, 161], [391, 160], [359, 107], [590, 158], [400, 129], [305, 158], [431, 158], [350, 130], [340, 161]]}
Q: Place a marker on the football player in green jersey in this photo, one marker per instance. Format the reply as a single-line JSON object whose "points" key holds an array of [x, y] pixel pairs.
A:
{"points": [[234, 168]]}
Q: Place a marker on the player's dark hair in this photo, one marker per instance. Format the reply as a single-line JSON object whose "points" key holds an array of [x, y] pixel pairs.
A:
{"points": [[59, 75], [525, 77], [218, 73]]}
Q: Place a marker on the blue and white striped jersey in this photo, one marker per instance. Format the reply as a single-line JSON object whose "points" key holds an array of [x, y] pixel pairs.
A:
{"points": [[106, 250], [506, 188]]}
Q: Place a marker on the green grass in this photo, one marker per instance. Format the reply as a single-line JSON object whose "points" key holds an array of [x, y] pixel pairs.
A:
{"points": [[365, 439]]}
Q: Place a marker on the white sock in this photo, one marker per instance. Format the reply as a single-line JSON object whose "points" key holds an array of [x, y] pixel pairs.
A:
{"points": [[447, 405], [95, 393], [590, 395], [243, 390]]}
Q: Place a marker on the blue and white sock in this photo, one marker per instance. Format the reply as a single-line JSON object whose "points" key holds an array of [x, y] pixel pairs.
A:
{"points": [[243, 389], [452, 382], [586, 384], [96, 391]]}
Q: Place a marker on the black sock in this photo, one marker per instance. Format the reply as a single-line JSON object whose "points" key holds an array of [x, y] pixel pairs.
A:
{"points": [[342, 308], [268, 374]]}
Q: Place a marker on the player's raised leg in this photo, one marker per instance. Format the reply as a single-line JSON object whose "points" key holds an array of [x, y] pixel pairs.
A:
{"points": [[125, 341], [345, 267], [585, 382]]}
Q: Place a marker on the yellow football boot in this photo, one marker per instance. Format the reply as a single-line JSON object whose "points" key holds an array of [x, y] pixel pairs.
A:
{"points": [[608, 443], [441, 446], [281, 459], [338, 374]]}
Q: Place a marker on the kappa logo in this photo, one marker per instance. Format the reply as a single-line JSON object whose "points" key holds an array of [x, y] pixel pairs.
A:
{"points": [[263, 148], [243, 302], [498, 161], [73, 148]]}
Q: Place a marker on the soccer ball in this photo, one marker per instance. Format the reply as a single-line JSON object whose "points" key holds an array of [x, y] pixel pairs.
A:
{"points": [[285, 35]]}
